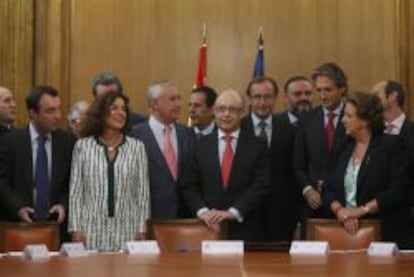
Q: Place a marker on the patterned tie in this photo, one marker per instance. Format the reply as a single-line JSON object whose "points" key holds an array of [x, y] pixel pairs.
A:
{"points": [[263, 135], [169, 153], [41, 181], [330, 130], [227, 161]]}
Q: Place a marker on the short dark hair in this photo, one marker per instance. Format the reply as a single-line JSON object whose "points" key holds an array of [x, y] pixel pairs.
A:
{"points": [[95, 117], [369, 108], [209, 93], [106, 79], [260, 80], [393, 86], [295, 79], [34, 96], [333, 72]]}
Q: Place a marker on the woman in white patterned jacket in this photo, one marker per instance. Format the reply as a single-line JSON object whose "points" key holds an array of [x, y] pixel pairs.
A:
{"points": [[109, 188]]}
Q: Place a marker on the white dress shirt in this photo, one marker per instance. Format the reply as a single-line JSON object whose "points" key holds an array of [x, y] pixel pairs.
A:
{"points": [[158, 130], [222, 146], [394, 127]]}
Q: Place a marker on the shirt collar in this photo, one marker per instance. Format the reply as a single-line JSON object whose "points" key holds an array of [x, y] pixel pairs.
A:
{"points": [[256, 120], [337, 111], [155, 124], [206, 130], [234, 134], [34, 134], [293, 119], [398, 122]]}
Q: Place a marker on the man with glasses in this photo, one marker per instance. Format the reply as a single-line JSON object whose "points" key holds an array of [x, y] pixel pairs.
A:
{"points": [[279, 220], [227, 178]]}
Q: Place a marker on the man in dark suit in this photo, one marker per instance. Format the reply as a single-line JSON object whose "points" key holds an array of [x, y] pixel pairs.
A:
{"points": [[106, 82], [392, 95], [319, 136], [168, 146], [227, 178], [280, 205], [35, 162], [200, 109], [7, 110], [298, 98]]}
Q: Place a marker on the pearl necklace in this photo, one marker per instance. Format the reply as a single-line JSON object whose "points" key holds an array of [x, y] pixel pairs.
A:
{"points": [[113, 146]]}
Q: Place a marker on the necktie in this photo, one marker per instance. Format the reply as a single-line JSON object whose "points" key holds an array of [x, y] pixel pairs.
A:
{"points": [[169, 153], [227, 161], [330, 130], [41, 181], [263, 134]]}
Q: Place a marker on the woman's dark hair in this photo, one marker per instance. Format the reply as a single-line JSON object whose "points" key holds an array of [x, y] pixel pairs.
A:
{"points": [[369, 108], [94, 122]]}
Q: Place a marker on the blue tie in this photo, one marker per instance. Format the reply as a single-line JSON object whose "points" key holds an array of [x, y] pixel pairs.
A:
{"points": [[41, 181]]}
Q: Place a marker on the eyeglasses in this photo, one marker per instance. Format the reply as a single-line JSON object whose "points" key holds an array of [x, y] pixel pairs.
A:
{"points": [[266, 97], [230, 110]]}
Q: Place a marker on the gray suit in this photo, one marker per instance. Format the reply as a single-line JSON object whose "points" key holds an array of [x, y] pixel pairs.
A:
{"points": [[166, 193]]}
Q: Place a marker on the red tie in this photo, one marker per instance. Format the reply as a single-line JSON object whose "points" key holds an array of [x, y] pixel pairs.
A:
{"points": [[227, 161], [330, 130], [169, 153]]}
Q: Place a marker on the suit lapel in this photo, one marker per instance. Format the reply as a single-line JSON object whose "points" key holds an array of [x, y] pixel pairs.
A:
{"points": [[339, 134], [238, 159], [370, 156], [180, 148], [247, 124], [213, 159], [26, 148], [319, 127]]}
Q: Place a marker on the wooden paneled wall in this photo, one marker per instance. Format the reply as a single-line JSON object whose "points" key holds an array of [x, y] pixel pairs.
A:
{"points": [[16, 50], [146, 40]]}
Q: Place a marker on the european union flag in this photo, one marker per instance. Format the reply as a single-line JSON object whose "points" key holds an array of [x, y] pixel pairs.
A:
{"points": [[259, 64]]}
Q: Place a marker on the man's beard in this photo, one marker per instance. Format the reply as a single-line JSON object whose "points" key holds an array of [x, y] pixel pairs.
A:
{"points": [[302, 107]]}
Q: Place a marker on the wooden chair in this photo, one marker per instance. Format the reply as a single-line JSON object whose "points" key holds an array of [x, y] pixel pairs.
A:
{"points": [[181, 235], [15, 236], [330, 230]]}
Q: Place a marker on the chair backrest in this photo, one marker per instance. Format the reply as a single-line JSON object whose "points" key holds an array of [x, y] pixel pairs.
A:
{"points": [[181, 235], [330, 230], [15, 236]]}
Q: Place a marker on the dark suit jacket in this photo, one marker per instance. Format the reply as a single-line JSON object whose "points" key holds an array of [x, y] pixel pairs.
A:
{"points": [[166, 194], [3, 130], [247, 186], [405, 221], [281, 205], [382, 176], [136, 118], [16, 172], [312, 159]]}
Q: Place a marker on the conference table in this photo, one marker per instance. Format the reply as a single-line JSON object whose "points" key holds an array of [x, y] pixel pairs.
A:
{"points": [[196, 264]]}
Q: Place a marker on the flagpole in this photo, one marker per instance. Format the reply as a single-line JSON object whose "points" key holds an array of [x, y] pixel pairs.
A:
{"points": [[260, 35], [204, 33]]}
